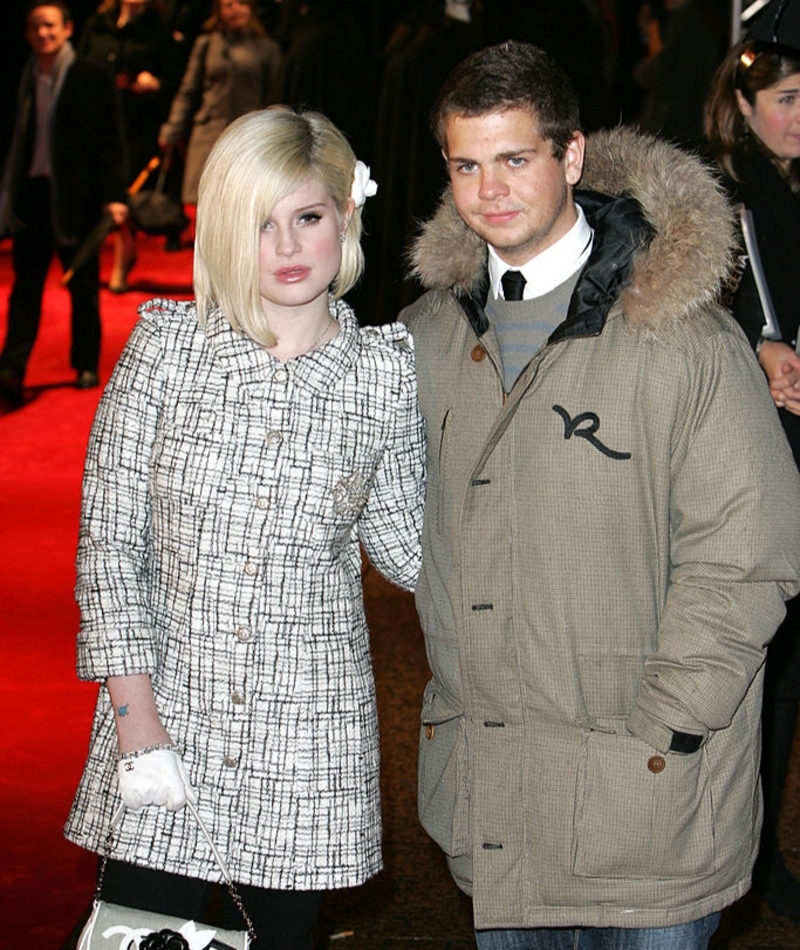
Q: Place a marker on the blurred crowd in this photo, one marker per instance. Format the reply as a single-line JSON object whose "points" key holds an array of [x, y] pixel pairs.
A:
{"points": [[373, 66]]}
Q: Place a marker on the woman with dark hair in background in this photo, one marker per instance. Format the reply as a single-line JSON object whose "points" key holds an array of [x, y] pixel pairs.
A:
{"points": [[752, 123]]}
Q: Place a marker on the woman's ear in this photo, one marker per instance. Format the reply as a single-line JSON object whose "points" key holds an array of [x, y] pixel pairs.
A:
{"points": [[744, 106], [350, 207]]}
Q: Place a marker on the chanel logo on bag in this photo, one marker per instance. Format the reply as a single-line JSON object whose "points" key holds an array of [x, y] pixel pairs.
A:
{"points": [[164, 940]]}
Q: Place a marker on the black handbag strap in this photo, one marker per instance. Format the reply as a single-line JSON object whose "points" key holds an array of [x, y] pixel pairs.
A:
{"points": [[226, 874], [162, 172]]}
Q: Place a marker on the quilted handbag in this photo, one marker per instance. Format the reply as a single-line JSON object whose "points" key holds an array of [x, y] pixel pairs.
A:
{"points": [[116, 927]]}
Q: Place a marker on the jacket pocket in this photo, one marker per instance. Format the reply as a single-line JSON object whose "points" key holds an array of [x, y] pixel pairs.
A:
{"points": [[440, 470], [443, 796], [640, 814]]}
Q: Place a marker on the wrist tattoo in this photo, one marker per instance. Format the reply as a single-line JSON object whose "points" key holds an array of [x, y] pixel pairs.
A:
{"points": [[122, 710]]}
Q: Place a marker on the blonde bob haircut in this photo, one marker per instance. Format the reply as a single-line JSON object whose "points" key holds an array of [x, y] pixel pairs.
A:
{"points": [[259, 160]]}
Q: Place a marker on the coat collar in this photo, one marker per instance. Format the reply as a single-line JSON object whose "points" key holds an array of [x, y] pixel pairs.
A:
{"points": [[620, 231], [317, 371], [249, 364]]}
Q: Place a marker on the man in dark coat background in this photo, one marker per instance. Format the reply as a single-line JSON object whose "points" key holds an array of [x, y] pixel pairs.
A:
{"points": [[65, 167]]}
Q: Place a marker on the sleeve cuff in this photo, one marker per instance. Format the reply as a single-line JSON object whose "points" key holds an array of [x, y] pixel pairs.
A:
{"points": [[660, 736]]}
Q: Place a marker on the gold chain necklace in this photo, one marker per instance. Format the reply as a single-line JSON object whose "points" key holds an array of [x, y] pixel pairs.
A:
{"points": [[322, 336]]}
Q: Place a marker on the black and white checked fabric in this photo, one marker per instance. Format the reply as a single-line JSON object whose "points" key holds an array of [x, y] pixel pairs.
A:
{"points": [[224, 498]]}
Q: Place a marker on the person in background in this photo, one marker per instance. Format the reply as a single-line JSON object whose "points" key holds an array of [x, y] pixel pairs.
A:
{"points": [[186, 19], [132, 38], [327, 64], [604, 557], [233, 69], [64, 168], [686, 45], [245, 445], [424, 46], [753, 128]]}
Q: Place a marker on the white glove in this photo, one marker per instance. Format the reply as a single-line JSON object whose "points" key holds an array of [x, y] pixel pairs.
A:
{"points": [[156, 777]]}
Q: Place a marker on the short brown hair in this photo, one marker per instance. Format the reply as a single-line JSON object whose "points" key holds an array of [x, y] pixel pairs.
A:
{"points": [[511, 75]]}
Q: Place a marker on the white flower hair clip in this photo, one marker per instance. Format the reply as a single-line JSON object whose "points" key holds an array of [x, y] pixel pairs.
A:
{"points": [[363, 186]]}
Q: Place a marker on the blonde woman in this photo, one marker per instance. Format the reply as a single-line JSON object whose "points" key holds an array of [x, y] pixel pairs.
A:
{"points": [[244, 447]]}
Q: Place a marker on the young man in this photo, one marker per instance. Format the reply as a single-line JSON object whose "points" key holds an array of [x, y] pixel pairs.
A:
{"points": [[604, 563], [65, 165]]}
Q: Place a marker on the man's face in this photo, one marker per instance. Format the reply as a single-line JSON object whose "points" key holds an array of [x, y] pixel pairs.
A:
{"points": [[507, 185], [47, 31]]}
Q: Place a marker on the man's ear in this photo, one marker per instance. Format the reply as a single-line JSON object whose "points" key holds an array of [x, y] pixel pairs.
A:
{"points": [[573, 158]]}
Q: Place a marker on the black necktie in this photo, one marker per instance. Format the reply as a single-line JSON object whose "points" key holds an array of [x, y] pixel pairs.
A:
{"points": [[512, 282]]}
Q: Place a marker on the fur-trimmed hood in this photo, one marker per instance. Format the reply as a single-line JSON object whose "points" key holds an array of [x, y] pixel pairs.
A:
{"points": [[679, 272]]}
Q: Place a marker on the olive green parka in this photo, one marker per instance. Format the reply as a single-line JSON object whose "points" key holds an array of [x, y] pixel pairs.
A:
{"points": [[605, 561]]}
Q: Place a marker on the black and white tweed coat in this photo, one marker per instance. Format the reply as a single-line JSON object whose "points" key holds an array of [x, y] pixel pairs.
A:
{"points": [[225, 495]]}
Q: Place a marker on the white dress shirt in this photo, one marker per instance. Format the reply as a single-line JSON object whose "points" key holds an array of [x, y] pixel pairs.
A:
{"points": [[552, 267]]}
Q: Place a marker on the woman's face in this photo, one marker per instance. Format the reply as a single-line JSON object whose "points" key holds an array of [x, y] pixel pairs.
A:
{"points": [[234, 14], [300, 249], [775, 117]]}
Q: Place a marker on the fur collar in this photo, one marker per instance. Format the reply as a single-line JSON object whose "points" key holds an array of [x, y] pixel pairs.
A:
{"points": [[679, 273]]}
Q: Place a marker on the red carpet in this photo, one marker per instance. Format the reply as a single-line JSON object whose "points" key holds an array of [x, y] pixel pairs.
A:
{"points": [[45, 882]]}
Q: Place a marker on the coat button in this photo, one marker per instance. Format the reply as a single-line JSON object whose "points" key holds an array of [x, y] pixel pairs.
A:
{"points": [[656, 764], [478, 353], [230, 761], [430, 730], [243, 635]]}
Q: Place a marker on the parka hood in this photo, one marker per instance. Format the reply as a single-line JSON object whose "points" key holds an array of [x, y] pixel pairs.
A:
{"points": [[681, 269]]}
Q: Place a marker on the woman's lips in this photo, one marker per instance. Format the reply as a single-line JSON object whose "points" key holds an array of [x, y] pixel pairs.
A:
{"points": [[290, 275]]}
